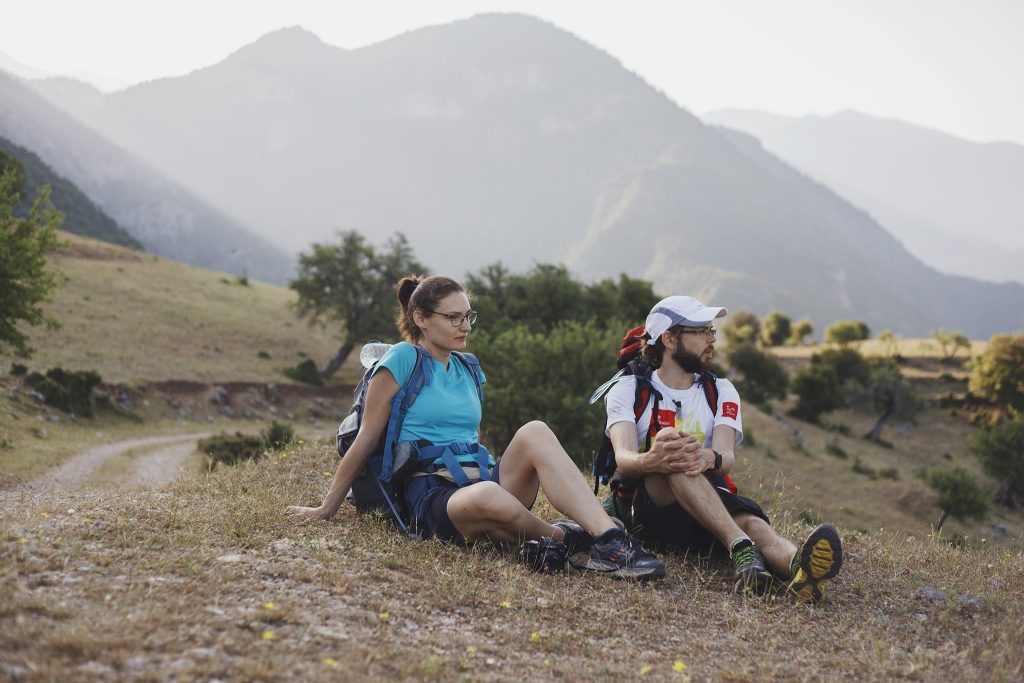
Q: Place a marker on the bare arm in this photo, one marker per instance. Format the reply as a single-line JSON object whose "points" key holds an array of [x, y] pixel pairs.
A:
{"points": [[376, 410], [671, 451]]}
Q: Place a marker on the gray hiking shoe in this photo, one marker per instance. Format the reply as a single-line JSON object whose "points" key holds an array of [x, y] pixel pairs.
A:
{"points": [[546, 556], [617, 554], [750, 575]]}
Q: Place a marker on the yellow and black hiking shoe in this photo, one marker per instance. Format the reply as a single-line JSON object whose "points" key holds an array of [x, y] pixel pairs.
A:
{"points": [[749, 572], [816, 562]]}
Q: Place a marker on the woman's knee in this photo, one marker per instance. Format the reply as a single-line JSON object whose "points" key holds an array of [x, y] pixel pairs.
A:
{"points": [[534, 432], [487, 501]]}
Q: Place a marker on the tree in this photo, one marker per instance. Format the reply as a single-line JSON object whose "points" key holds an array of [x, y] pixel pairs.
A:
{"points": [[886, 392], [951, 341], [825, 385], [26, 280], [800, 332], [846, 332], [776, 328], [890, 343], [1001, 451], [762, 375], [998, 374], [353, 284], [741, 327], [959, 494]]}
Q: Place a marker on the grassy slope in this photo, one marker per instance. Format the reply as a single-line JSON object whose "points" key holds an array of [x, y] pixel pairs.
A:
{"points": [[133, 316], [107, 585]]}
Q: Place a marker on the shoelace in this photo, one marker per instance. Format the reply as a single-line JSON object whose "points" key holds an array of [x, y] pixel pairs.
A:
{"points": [[745, 557]]}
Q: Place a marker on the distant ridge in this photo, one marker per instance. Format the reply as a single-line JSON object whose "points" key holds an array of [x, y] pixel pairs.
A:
{"points": [[165, 218], [81, 216], [502, 137]]}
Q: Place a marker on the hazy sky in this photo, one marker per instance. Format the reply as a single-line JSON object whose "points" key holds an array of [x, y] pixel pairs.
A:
{"points": [[953, 65]]}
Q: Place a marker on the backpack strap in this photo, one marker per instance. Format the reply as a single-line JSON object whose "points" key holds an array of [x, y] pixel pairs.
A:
{"points": [[419, 378], [471, 362], [709, 383]]}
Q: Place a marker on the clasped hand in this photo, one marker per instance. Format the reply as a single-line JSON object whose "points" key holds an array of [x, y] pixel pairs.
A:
{"points": [[675, 451]]}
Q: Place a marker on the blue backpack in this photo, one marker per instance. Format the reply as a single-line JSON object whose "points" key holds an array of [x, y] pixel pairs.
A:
{"points": [[379, 484]]}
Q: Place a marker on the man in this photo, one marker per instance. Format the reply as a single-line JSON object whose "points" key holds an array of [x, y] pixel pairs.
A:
{"points": [[684, 499]]}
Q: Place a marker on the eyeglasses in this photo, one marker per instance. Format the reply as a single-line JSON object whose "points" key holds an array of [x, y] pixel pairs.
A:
{"points": [[457, 319], [703, 332]]}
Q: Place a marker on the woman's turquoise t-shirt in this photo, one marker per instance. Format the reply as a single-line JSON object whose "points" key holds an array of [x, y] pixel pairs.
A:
{"points": [[447, 411]]}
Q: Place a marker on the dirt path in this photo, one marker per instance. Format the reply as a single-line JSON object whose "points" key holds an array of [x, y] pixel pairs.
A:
{"points": [[156, 466]]}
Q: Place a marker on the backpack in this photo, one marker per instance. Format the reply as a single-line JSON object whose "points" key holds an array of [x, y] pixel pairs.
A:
{"points": [[620, 499], [379, 482]]}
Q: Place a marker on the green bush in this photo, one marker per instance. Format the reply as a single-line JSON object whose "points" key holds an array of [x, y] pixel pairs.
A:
{"points": [[305, 372], [847, 331], [231, 449], [278, 435], [799, 332], [18, 370], [742, 327], [959, 494], [832, 447], [998, 374], [1001, 451], [69, 391], [776, 329], [762, 375]]}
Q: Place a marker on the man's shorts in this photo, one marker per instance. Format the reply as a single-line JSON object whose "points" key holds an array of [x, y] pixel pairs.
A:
{"points": [[427, 499], [672, 529]]}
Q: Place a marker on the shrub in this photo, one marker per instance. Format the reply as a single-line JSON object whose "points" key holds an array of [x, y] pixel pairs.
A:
{"points": [[1001, 451], [817, 389], [69, 391], [998, 374], [18, 370], [278, 435], [800, 332], [959, 494], [741, 327], [763, 376], [263, 354], [305, 372], [951, 341], [847, 331], [832, 447], [776, 329], [860, 468], [228, 449]]}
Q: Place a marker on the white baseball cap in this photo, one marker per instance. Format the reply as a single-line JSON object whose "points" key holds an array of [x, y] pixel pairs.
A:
{"points": [[679, 310]]}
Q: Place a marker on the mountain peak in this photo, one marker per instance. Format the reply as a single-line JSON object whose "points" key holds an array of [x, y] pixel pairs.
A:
{"points": [[289, 45]]}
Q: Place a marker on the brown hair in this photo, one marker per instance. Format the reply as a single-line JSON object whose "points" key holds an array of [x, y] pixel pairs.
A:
{"points": [[653, 353], [418, 293]]}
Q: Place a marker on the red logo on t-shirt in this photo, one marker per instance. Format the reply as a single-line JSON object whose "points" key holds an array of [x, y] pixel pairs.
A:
{"points": [[730, 410], [666, 418]]}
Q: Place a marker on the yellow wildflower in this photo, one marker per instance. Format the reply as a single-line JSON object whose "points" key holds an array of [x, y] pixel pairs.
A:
{"points": [[383, 616], [328, 474], [505, 603], [535, 637], [330, 662], [268, 635], [678, 666], [644, 670], [21, 541], [471, 650], [301, 442], [269, 606], [45, 514]]}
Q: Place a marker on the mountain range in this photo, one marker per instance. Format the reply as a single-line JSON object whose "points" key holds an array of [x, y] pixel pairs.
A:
{"points": [[955, 204], [166, 219], [505, 138]]}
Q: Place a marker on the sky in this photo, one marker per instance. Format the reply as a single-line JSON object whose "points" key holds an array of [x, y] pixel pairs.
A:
{"points": [[956, 66]]}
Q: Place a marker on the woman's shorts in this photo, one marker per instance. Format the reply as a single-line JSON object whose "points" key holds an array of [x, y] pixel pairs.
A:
{"points": [[427, 499], [672, 529]]}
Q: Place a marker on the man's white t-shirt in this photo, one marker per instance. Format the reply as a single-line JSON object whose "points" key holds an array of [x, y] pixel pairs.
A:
{"points": [[696, 413]]}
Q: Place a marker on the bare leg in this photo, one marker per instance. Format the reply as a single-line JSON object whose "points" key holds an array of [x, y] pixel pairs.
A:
{"points": [[697, 496], [778, 552], [536, 459], [487, 509]]}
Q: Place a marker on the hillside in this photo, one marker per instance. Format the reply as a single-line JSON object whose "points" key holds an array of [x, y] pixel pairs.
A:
{"points": [[955, 204], [135, 317], [81, 216], [519, 142], [164, 217]]}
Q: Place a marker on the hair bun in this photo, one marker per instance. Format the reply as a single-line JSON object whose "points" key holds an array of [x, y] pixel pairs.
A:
{"points": [[406, 286]]}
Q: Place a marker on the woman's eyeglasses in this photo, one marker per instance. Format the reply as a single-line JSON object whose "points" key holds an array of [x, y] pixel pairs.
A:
{"points": [[457, 319]]}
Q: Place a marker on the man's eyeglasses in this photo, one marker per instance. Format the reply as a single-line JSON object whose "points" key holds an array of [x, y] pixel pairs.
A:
{"points": [[456, 319], [702, 331]]}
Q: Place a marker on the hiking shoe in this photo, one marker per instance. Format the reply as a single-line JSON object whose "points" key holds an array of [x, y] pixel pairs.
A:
{"points": [[750, 574], [615, 553], [815, 562], [546, 556], [576, 539]]}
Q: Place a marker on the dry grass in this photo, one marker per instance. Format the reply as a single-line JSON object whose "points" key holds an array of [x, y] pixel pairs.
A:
{"points": [[133, 317], [176, 584]]}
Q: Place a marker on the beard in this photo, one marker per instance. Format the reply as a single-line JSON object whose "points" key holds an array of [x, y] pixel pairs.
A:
{"points": [[689, 362]]}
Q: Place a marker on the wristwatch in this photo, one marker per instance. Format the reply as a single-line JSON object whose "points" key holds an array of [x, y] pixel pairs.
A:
{"points": [[718, 461]]}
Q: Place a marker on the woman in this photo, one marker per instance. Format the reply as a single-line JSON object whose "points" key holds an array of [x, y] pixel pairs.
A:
{"points": [[436, 316]]}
